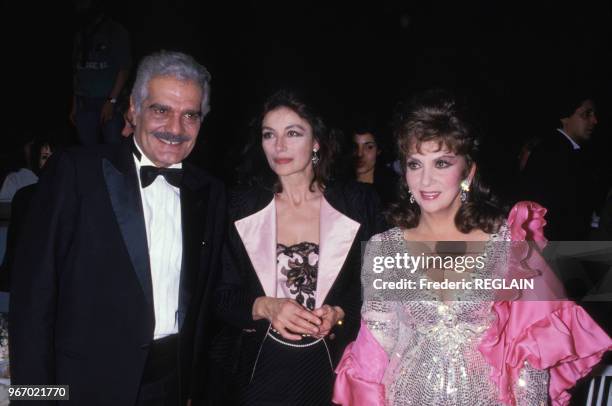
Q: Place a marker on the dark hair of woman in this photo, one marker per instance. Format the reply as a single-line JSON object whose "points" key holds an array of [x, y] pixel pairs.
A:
{"points": [[436, 116], [255, 169]]}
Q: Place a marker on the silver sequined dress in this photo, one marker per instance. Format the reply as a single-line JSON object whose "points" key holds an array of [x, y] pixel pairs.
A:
{"points": [[432, 345]]}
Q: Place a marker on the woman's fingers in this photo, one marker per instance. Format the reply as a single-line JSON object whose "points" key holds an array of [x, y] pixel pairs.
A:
{"points": [[305, 327], [322, 311], [294, 312], [296, 328], [325, 328], [292, 320], [288, 335], [308, 316]]}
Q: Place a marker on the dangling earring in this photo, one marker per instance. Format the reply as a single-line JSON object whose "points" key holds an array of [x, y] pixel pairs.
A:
{"points": [[411, 197], [465, 188], [315, 156]]}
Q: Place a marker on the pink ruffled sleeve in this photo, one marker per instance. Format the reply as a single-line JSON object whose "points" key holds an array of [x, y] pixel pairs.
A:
{"points": [[555, 335], [360, 372]]}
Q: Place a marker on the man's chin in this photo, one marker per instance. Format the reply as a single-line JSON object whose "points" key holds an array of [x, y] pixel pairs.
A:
{"points": [[169, 160]]}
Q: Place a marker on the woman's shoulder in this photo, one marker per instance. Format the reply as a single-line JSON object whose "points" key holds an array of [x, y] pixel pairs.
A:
{"points": [[502, 233], [394, 234]]}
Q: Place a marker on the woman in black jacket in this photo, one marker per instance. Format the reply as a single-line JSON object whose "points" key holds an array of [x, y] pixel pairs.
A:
{"points": [[290, 288]]}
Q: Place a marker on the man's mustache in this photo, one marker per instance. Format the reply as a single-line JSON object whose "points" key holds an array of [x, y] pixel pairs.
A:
{"points": [[166, 136]]}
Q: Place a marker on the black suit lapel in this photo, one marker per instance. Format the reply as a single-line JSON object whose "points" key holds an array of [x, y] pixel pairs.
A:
{"points": [[335, 196], [194, 199], [122, 184]]}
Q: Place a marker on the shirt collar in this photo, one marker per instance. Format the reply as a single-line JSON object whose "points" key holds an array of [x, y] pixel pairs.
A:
{"points": [[145, 161], [575, 145]]}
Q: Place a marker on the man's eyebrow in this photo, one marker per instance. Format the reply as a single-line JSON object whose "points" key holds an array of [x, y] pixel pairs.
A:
{"points": [[165, 107], [160, 106]]}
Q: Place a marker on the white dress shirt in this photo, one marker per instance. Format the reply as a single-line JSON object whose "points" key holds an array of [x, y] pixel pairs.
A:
{"points": [[161, 203], [575, 145]]}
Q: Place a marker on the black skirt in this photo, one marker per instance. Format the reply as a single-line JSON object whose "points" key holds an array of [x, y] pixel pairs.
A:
{"points": [[289, 373]]}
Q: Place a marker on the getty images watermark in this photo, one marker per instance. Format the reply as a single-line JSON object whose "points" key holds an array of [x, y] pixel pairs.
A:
{"points": [[460, 264], [496, 270]]}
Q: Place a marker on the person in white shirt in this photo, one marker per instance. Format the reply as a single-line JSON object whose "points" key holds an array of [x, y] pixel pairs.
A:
{"points": [[111, 284], [556, 174]]}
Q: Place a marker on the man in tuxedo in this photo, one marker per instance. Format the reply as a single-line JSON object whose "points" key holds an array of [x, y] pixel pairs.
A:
{"points": [[114, 272], [557, 176]]}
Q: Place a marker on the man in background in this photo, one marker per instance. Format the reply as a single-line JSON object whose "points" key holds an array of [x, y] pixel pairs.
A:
{"points": [[101, 68]]}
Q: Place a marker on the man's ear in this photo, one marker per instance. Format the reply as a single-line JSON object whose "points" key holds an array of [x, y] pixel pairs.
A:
{"points": [[132, 109], [564, 121]]}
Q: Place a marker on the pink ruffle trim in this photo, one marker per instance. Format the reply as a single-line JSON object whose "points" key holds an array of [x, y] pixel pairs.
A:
{"points": [[359, 384], [555, 335], [566, 341], [526, 222]]}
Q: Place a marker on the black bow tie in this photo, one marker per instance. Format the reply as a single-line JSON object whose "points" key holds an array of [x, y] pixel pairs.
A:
{"points": [[149, 173]]}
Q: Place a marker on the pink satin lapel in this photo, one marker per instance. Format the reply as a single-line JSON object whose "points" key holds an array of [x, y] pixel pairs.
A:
{"points": [[258, 234], [337, 233]]}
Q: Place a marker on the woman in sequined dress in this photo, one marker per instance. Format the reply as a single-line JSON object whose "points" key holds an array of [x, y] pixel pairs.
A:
{"points": [[428, 345], [290, 288]]}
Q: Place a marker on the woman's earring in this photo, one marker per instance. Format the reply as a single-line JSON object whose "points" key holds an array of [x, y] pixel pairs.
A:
{"points": [[411, 197], [465, 188], [315, 156]]}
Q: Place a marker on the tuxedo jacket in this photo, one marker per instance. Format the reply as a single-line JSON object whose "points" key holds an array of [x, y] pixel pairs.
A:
{"points": [[81, 308], [558, 177], [350, 214]]}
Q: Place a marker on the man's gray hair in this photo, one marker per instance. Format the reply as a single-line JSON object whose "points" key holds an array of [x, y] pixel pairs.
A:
{"points": [[174, 64]]}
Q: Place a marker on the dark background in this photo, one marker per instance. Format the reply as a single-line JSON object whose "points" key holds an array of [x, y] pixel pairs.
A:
{"points": [[512, 58]]}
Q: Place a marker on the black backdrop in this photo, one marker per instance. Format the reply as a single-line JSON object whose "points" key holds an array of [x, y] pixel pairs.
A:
{"points": [[510, 57]]}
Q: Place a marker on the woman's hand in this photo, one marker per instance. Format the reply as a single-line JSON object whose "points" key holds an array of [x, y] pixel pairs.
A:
{"points": [[287, 316], [330, 315]]}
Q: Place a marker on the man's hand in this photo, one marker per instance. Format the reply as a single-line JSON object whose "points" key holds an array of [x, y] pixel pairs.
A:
{"points": [[128, 127], [107, 112]]}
